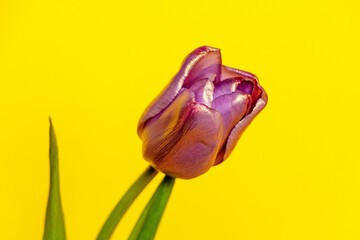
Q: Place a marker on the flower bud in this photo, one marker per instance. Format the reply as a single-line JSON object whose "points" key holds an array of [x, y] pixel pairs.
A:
{"points": [[196, 121]]}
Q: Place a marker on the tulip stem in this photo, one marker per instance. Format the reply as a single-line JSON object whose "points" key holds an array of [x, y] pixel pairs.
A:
{"points": [[149, 219], [125, 202]]}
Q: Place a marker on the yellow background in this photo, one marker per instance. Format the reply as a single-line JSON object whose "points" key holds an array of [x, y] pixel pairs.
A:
{"points": [[95, 65]]}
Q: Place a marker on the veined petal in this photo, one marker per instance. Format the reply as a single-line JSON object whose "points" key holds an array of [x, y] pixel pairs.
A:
{"points": [[184, 139], [201, 61], [160, 133]]}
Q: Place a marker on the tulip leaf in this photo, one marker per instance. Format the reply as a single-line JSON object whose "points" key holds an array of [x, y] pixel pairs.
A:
{"points": [[125, 202], [54, 222], [149, 219]]}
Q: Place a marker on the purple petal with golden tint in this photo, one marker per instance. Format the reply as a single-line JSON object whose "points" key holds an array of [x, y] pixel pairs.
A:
{"points": [[184, 139], [195, 153], [197, 63], [159, 132]]}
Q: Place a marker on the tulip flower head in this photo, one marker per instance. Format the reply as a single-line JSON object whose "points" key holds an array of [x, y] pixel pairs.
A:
{"points": [[196, 121]]}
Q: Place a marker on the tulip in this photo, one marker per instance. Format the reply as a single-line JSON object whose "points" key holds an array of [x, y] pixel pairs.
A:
{"points": [[196, 121]]}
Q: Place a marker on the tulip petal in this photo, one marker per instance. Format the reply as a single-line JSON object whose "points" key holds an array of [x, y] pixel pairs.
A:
{"points": [[200, 62], [206, 67], [225, 87], [233, 107], [159, 132], [203, 90], [245, 86], [228, 72], [244, 123], [184, 139]]}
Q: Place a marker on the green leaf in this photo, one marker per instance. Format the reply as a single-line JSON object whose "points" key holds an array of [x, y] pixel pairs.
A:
{"points": [[125, 202], [54, 222], [146, 226]]}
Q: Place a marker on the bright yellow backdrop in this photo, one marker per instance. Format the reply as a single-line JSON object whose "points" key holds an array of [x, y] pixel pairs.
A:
{"points": [[95, 65]]}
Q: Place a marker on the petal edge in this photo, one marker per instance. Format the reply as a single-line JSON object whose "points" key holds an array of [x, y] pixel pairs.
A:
{"points": [[240, 127]]}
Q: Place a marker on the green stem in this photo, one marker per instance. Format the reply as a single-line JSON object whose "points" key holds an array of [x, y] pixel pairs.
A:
{"points": [[125, 202], [54, 222], [146, 226]]}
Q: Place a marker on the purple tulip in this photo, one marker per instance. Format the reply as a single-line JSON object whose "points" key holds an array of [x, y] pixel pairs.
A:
{"points": [[196, 121]]}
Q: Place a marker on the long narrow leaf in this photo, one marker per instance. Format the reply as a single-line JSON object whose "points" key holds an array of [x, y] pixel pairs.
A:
{"points": [[125, 203], [54, 222], [146, 226]]}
